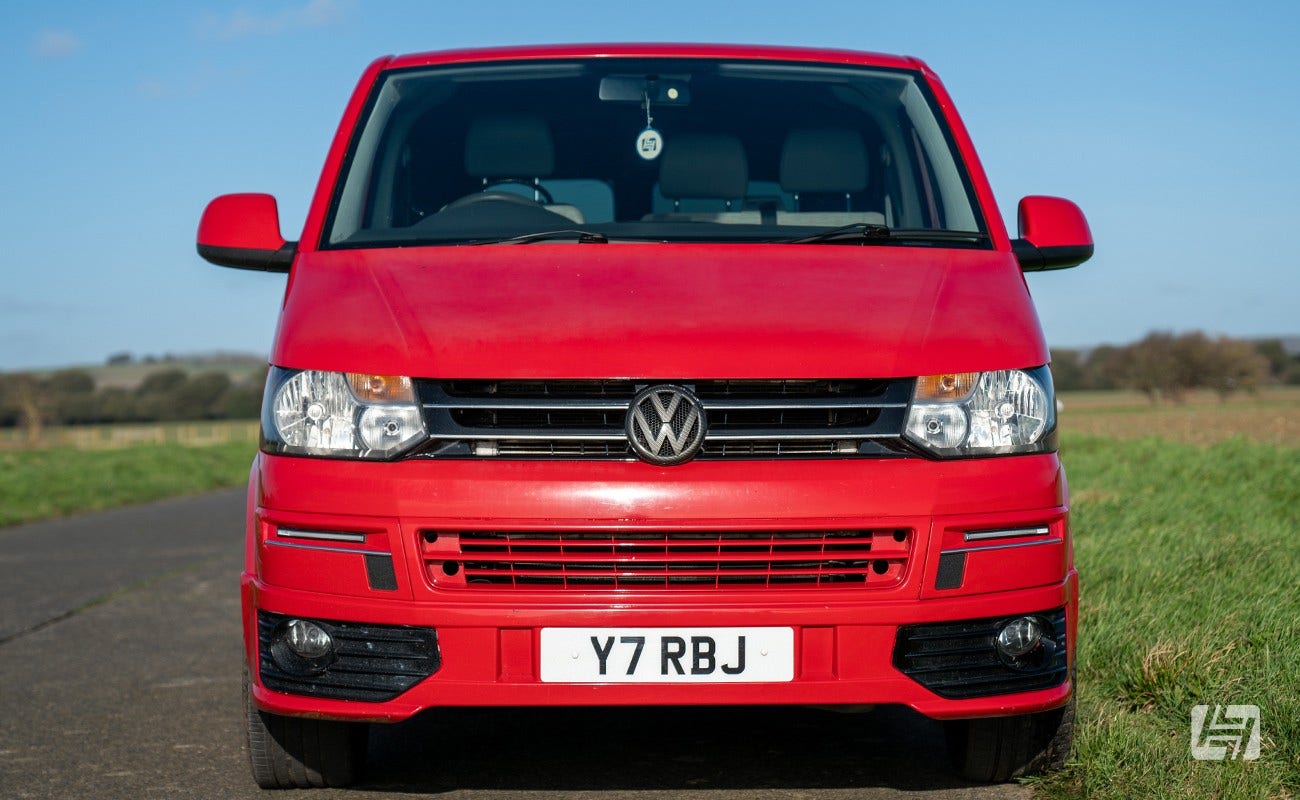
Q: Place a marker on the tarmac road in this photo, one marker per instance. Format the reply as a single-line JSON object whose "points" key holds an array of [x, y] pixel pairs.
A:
{"points": [[120, 677]]}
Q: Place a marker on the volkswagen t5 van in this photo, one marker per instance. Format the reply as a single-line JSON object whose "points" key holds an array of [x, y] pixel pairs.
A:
{"points": [[655, 374]]}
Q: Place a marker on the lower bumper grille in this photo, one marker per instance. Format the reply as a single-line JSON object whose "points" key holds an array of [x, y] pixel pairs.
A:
{"points": [[959, 659], [374, 662], [668, 559]]}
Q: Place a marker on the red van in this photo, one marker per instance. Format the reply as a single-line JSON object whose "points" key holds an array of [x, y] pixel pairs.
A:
{"points": [[655, 374]]}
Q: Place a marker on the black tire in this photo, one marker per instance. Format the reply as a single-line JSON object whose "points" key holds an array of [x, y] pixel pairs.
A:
{"points": [[998, 749], [298, 753]]}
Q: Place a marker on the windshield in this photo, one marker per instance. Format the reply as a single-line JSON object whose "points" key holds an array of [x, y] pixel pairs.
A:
{"points": [[641, 149]]}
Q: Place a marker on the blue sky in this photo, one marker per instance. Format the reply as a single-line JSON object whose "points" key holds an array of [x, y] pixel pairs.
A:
{"points": [[1176, 126]]}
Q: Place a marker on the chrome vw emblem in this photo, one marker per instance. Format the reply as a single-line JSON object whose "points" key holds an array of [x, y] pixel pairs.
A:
{"points": [[665, 425]]}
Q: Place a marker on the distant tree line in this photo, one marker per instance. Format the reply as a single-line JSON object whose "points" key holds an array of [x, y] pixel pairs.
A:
{"points": [[126, 358], [1166, 366], [70, 397]]}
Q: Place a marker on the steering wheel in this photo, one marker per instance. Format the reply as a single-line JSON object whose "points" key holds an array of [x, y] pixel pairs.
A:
{"points": [[536, 187], [491, 197]]}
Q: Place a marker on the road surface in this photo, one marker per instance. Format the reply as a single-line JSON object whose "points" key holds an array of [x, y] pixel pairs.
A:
{"points": [[120, 678]]}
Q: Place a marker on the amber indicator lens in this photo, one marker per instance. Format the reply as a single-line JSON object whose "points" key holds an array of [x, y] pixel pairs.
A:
{"points": [[373, 389], [951, 386]]}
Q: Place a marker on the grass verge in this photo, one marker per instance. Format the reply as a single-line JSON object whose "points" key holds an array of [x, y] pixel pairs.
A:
{"points": [[44, 483], [1190, 594]]}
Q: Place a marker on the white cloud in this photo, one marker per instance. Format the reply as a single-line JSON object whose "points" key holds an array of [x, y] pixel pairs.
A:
{"points": [[55, 44], [312, 14]]}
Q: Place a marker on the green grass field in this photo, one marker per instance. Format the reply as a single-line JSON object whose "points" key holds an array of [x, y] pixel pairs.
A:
{"points": [[1188, 546], [1190, 594], [116, 437], [50, 482]]}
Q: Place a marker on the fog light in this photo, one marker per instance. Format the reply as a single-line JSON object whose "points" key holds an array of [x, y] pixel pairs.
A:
{"points": [[308, 639], [1020, 637], [302, 647]]}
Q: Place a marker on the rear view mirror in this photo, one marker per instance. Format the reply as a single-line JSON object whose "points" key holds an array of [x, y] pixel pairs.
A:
{"points": [[243, 231], [1053, 234], [663, 90]]}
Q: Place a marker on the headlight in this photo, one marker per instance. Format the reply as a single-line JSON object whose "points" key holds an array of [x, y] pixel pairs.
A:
{"points": [[339, 414], [984, 413]]}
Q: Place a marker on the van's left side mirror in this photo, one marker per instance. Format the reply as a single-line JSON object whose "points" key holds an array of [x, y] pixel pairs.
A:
{"points": [[243, 231], [1053, 234]]}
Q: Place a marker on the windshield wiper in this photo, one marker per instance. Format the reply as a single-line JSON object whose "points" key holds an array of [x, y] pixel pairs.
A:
{"points": [[582, 237], [871, 233]]}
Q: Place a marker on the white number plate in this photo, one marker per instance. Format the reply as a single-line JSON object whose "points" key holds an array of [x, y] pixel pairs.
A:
{"points": [[667, 655]]}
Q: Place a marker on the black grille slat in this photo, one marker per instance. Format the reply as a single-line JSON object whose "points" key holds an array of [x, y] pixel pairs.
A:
{"points": [[533, 418], [791, 418], [625, 389], [584, 419], [527, 388], [574, 449]]}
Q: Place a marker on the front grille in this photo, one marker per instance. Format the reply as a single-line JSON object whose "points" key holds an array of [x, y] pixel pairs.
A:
{"points": [[374, 662], [667, 559], [584, 419], [959, 659]]}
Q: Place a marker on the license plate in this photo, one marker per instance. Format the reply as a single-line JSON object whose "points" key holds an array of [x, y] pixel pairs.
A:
{"points": [[667, 655]]}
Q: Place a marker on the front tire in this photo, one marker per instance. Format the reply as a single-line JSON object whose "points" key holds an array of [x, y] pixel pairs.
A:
{"points": [[297, 753], [998, 749]]}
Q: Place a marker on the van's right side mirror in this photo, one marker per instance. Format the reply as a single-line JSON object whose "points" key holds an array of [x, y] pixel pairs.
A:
{"points": [[1053, 234]]}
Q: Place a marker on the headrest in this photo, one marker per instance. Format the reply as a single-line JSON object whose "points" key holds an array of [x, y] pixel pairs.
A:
{"points": [[703, 165], [823, 160], [509, 147]]}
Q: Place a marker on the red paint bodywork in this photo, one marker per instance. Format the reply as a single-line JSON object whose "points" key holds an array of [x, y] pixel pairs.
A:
{"points": [[581, 311], [1052, 222], [619, 310], [251, 220]]}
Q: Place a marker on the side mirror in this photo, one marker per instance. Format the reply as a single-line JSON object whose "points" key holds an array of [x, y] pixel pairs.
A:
{"points": [[1053, 234], [243, 231]]}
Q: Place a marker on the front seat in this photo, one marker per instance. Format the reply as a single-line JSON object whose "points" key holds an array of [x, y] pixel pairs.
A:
{"points": [[824, 168], [704, 166]]}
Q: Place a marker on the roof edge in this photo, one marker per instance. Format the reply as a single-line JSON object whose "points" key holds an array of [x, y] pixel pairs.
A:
{"points": [[653, 50]]}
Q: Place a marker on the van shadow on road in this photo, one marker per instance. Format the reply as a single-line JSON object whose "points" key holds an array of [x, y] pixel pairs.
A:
{"points": [[632, 750]]}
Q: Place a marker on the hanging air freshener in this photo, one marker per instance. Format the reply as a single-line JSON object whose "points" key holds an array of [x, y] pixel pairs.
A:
{"points": [[649, 143]]}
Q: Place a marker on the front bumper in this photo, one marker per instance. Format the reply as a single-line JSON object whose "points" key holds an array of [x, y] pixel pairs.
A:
{"points": [[489, 639]]}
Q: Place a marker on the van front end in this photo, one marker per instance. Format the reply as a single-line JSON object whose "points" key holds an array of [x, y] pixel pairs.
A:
{"points": [[616, 375]]}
